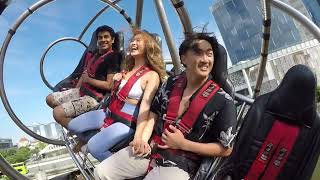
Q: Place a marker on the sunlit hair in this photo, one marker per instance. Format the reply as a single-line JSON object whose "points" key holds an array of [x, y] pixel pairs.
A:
{"points": [[153, 55]]}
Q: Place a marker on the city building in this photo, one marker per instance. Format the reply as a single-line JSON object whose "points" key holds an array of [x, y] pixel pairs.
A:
{"points": [[50, 130], [23, 142], [244, 75], [300, 6], [240, 25], [5, 143], [313, 7]]}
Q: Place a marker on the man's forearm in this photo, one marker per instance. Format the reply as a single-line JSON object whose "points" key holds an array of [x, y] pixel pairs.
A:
{"points": [[205, 149], [100, 84]]}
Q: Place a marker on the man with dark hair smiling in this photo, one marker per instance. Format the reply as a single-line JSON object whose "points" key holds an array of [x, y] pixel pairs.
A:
{"points": [[191, 117], [95, 81]]}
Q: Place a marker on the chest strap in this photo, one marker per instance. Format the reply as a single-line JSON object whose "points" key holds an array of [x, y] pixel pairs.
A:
{"points": [[118, 98], [91, 66], [185, 124], [274, 152]]}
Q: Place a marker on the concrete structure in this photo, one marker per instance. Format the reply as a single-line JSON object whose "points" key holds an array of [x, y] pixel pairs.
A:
{"points": [[243, 74], [5, 143]]}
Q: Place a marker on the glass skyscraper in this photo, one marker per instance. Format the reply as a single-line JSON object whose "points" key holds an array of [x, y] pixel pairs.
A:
{"points": [[313, 7], [240, 25]]}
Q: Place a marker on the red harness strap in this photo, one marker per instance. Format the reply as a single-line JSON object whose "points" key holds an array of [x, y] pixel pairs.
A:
{"points": [[274, 152], [185, 124], [91, 66], [118, 99]]}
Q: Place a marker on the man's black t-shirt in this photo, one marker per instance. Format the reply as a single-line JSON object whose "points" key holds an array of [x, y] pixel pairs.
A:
{"points": [[110, 65], [215, 124]]}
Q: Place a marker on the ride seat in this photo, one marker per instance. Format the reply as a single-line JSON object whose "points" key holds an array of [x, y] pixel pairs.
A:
{"points": [[72, 79], [293, 105]]}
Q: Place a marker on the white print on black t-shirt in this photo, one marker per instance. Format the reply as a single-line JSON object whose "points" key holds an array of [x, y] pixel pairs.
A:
{"points": [[226, 137]]}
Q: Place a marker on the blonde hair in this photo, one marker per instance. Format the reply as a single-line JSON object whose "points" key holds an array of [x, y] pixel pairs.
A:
{"points": [[153, 55]]}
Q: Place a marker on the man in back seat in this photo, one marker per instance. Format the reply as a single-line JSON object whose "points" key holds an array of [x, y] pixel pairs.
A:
{"points": [[95, 81], [190, 117]]}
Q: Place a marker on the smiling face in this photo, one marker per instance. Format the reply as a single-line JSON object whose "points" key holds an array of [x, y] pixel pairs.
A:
{"points": [[199, 59], [104, 41], [137, 46]]}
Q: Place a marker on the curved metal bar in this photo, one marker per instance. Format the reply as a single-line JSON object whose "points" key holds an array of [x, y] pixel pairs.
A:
{"points": [[168, 35], [264, 46], [139, 10], [2, 89], [242, 98], [314, 29], [94, 18], [47, 50], [9, 171], [183, 16], [120, 10]]}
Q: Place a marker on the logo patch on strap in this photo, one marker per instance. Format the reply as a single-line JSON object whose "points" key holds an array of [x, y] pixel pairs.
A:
{"points": [[280, 157], [266, 152], [207, 92]]}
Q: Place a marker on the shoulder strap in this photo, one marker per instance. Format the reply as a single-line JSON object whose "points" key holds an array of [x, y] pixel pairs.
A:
{"points": [[124, 92], [185, 124], [197, 105]]}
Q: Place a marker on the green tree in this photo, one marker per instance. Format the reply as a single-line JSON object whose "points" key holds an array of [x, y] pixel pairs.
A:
{"points": [[15, 155]]}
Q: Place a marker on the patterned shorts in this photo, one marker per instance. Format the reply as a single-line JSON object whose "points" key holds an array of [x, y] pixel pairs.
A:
{"points": [[72, 103]]}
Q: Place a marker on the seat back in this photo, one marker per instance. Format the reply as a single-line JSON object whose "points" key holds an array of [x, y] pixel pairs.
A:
{"points": [[220, 72], [72, 79], [293, 105]]}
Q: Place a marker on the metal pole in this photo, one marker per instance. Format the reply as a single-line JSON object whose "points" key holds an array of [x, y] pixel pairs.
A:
{"points": [[119, 9], [183, 15], [265, 44], [94, 18], [2, 89], [246, 79], [139, 10], [73, 156], [168, 35], [47, 50], [314, 29], [9, 171]]}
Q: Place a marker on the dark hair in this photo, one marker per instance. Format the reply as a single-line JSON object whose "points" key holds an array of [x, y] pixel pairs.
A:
{"points": [[191, 43], [105, 28]]}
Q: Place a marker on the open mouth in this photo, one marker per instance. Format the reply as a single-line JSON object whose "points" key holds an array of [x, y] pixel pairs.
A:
{"points": [[204, 67]]}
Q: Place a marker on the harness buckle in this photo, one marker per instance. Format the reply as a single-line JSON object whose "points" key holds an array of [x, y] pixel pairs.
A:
{"points": [[185, 130], [168, 118], [121, 98]]}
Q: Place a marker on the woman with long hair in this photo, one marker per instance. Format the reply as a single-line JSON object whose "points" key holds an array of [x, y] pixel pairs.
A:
{"points": [[133, 91]]}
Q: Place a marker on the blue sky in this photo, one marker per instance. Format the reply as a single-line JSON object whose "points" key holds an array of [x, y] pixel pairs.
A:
{"points": [[25, 90]]}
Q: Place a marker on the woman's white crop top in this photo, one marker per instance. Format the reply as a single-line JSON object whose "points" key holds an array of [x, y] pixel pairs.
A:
{"points": [[136, 90]]}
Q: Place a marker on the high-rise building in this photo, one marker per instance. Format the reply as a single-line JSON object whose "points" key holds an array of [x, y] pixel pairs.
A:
{"points": [[51, 130], [5, 143], [299, 5], [240, 25], [313, 7]]}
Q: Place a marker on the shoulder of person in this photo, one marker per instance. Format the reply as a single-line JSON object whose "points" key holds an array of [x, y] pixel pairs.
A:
{"points": [[112, 55], [151, 75]]}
